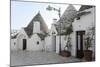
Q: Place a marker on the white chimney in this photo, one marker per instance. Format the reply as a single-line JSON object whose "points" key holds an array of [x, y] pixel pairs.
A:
{"points": [[54, 20], [36, 27]]}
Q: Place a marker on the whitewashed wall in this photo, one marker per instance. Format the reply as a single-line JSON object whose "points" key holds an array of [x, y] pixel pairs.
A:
{"points": [[63, 43], [20, 41], [53, 29], [22, 35], [57, 44], [64, 40], [13, 46], [43, 44], [50, 43], [32, 43], [73, 43], [83, 23]]}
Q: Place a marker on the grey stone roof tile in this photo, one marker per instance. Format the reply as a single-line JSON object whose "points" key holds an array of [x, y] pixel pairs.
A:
{"points": [[43, 26]]}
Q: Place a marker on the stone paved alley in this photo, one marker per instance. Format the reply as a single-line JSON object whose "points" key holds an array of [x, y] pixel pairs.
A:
{"points": [[36, 57]]}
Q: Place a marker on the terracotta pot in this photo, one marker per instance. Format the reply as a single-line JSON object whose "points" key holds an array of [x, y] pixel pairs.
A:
{"points": [[65, 53], [88, 55], [80, 54]]}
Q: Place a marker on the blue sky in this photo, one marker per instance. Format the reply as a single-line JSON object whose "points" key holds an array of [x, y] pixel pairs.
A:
{"points": [[23, 12]]}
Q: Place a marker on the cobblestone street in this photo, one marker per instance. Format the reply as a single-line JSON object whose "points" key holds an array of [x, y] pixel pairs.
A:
{"points": [[36, 57]]}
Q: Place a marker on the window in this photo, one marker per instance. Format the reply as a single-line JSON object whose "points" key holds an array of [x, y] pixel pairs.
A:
{"points": [[78, 18], [37, 42], [14, 43]]}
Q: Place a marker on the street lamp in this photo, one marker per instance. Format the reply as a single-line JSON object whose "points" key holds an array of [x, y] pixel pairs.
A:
{"points": [[59, 14], [55, 9]]}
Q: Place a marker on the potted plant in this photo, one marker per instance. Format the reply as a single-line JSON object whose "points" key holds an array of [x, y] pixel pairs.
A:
{"points": [[68, 31], [87, 52], [67, 53]]}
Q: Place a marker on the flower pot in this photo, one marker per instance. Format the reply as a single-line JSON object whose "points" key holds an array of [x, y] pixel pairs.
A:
{"points": [[88, 55], [80, 54], [65, 53]]}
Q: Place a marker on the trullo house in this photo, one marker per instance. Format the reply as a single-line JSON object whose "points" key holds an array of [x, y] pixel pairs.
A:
{"points": [[77, 25], [66, 22], [31, 37]]}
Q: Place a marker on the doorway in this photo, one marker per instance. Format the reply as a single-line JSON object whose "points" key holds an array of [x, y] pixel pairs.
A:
{"points": [[80, 44], [54, 43], [24, 44]]}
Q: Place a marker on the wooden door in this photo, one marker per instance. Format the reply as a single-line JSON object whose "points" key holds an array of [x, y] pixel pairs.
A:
{"points": [[24, 44], [79, 43]]}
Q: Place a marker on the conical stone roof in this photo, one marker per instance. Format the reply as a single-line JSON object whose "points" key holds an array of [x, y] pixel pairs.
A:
{"points": [[43, 26], [67, 18], [68, 14]]}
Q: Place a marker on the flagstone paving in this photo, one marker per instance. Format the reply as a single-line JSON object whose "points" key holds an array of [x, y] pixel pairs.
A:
{"points": [[36, 57]]}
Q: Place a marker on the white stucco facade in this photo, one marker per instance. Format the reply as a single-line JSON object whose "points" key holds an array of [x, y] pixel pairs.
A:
{"points": [[13, 45], [35, 43], [50, 43], [85, 21], [64, 40], [32, 37], [17, 43], [22, 35], [53, 30], [83, 24]]}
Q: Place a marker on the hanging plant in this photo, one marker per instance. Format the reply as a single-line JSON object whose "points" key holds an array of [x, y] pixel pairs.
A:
{"points": [[88, 43], [67, 53], [68, 44], [69, 30]]}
